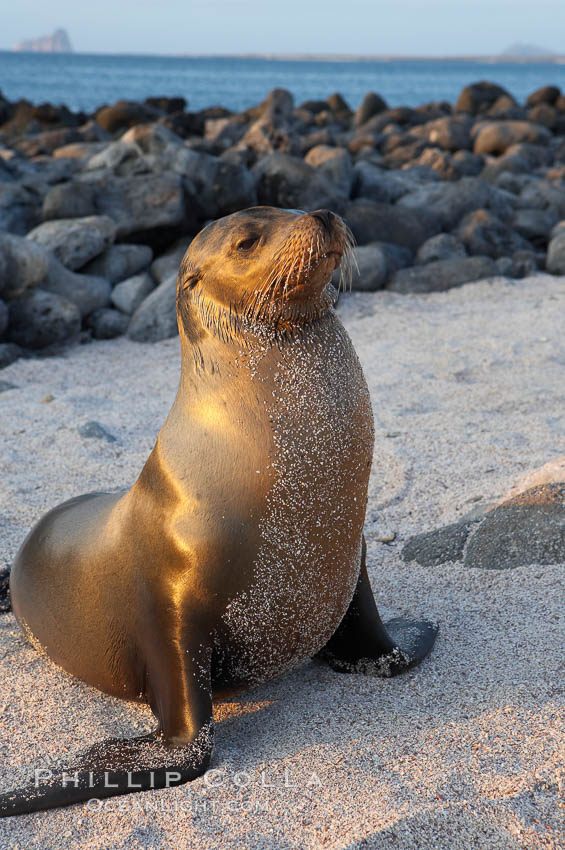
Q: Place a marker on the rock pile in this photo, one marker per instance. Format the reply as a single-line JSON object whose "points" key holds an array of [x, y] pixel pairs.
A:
{"points": [[97, 210]]}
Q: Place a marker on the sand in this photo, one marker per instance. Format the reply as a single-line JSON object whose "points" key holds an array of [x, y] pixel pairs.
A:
{"points": [[468, 389]]}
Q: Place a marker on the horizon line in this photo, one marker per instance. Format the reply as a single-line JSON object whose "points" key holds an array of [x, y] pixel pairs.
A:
{"points": [[313, 57]]}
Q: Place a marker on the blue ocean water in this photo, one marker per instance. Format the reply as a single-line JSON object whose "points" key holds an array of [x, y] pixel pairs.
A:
{"points": [[85, 82]]}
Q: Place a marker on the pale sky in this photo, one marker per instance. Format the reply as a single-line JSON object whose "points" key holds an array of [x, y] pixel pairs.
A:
{"points": [[362, 27]]}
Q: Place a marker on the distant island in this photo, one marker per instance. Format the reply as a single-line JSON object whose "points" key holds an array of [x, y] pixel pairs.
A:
{"points": [[527, 51], [58, 42]]}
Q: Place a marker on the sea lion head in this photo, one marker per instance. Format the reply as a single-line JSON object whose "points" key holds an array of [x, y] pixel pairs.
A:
{"points": [[263, 267]]}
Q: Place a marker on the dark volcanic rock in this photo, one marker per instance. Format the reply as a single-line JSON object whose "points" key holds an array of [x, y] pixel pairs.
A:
{"points": [[371, 222], [482, 233], [3, 317], [288, 182], [373, 268], [534, 224], [42, 319], [19, 208], [22, 265], [546, 94], [216, 186], [478, 97], [335, 164], [449, 202], [451, 133], [75, 199], [376, 184], [371, 105], [444, 246], [142, 203], [9, 353], [442, 274], [528, 529], [75, 241]]}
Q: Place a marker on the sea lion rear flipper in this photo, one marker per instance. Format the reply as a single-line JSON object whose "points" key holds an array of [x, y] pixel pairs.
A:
{"points": [[364, 644]]}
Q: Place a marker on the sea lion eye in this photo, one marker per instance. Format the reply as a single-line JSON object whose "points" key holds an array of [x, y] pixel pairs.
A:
{"points": [[247, 244]]}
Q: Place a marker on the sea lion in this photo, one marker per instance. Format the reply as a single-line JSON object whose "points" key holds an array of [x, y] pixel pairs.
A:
{"points": [[238, 552]]}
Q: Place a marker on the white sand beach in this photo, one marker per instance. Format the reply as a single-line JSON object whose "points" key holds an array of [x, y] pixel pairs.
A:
{"points": [[465, 751]]}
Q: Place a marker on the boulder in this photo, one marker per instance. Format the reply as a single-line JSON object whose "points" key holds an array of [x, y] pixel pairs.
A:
{"points": [[449, 202], [479, 97], [106, 323], [124, 114], [545, 115], [3, 317], [371, 221], [42, 319], [527, 529], [444, 246], [379, 185], [483, 234], [119, 262], [79, 150], [216, 186], [372, 104], [546, 94], [534, 224], [442, 274], [75, 241], [288, 182], [497, 136], [75, 199], [9, 353], [151, 138], [555, 263], [23, 265], [451, 133], [123, 158], [86, 292], [156, 317], [373, 268], [543, 195], [19, 208], [335, 164], [167, 265], [142, 203], [128, 295], [432, 548]]}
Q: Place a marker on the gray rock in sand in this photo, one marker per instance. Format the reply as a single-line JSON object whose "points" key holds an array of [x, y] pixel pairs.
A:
{"points": [[75, 241], [556, 254], [442, 274], [41, 319], [107, 323], [527, 529], [94, 430], [433, 548]]}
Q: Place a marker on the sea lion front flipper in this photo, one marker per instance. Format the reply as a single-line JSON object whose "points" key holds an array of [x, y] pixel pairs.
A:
{"points": [[364, 644], [179, 752]]}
